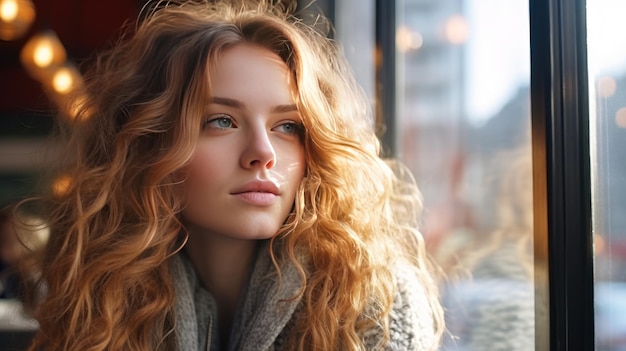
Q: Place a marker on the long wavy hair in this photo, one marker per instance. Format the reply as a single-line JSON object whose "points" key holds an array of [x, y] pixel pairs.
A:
{"points": [[116, 223]]}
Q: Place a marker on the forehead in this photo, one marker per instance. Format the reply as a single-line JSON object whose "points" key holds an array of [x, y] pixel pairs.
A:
{"points": [[251, 72]]}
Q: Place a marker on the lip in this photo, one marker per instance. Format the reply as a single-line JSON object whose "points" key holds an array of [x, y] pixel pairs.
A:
{"points": [[258, 193], [258, 186]]}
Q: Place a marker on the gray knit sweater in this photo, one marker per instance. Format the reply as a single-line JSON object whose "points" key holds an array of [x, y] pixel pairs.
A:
{"points": [[267, 307]]}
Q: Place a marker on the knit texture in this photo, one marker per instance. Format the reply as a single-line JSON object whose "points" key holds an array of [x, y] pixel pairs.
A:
{"points": [[267, 306]]}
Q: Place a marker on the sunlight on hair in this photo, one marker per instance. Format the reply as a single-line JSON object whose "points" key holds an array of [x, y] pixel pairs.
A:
{"points": [[76, 109], [33, 231], [61, 185]]}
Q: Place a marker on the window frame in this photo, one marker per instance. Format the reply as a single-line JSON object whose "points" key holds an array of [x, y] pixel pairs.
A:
{"points": [[561, 161]]}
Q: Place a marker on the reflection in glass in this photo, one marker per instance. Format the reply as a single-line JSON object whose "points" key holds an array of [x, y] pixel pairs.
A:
{"points": [[607, 100], [464, 129]]}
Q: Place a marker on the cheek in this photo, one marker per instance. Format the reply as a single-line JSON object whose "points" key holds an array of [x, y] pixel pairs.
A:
{"points": [[298, 171], [209, 156], [295, 168], [205, 166]]}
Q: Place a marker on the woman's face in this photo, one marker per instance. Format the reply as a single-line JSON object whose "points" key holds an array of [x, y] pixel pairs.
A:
{"points": [[249, 159]]}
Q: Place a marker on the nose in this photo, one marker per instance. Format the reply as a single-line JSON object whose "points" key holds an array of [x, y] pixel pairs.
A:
{"points": [[259, 151]]}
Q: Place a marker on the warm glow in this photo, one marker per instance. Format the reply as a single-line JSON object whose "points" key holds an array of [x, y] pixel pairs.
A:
{"points": [[76, 108], [606, 86], [456, 29], [43, 54], [62, 81], [61, 185], [8, 10], [16, 16], [620, 117], [407, 40]]}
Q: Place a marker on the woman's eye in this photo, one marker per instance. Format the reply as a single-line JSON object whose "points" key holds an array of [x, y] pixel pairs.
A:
{"points": [[290, 128], [221, 122]]}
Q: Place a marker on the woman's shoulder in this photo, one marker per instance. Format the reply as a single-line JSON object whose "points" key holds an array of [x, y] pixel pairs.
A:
{"points": [[411, 319]]}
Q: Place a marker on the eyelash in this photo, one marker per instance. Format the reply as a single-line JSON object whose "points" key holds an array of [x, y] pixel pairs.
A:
{"points": [[217, 118], [297, 127]]}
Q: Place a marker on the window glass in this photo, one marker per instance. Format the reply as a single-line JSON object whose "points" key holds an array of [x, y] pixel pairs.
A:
{"points": [[607, 86], [354, 27], [463, 69]]}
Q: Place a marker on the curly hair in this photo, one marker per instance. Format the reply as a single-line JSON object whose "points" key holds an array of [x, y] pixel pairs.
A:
{"points": [[113, 229]]}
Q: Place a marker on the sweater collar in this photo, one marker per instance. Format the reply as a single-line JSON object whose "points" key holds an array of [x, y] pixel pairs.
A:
{"points": [[267, 306]]}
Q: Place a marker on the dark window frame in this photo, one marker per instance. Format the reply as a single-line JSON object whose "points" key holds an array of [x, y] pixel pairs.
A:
{"points": [[560, 135]]}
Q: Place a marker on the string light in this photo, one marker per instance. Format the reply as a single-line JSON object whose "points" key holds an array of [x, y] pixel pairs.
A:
{"points": [[42, 54], [65, 79], [16, 16], [8, 10]]}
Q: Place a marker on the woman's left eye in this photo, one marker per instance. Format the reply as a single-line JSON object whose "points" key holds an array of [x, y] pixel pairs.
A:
{"points": [[289, 128]]}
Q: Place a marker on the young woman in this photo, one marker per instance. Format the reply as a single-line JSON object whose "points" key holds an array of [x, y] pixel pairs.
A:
{"points": [[227, 193]]}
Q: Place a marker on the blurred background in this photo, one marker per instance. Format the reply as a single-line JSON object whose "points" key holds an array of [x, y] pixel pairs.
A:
{"points": [[38, 65], [42, 43], [450, 81]]}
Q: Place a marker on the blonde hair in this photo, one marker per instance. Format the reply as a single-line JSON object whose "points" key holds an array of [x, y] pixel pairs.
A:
{"points": [[117, 224]]}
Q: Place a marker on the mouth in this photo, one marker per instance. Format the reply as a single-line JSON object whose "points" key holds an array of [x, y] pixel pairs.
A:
{"points": [[259, 187], [257, 198], [258, 193]]}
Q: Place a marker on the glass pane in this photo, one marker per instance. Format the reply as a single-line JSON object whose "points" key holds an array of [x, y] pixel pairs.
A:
{"points": [[607, 80], [464, 130]]}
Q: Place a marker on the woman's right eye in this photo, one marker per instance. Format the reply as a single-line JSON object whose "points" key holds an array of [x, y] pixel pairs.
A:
{"points": [[218, 122]]}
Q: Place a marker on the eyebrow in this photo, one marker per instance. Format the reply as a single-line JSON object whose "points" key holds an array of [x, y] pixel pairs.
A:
{"points": [[240, 105]]}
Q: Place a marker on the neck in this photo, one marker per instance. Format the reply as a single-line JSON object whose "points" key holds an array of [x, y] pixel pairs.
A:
{"points": [[222, 266]]}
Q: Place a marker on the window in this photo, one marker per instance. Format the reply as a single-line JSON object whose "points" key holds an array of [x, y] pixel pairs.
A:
{"points": [[463, 128], [607, 101], [513, 138]]}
